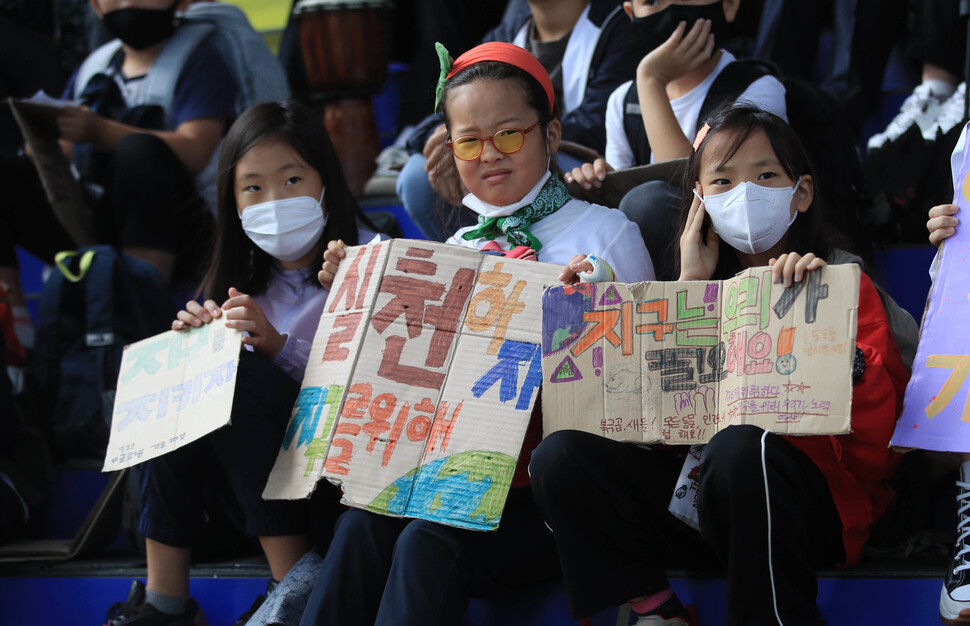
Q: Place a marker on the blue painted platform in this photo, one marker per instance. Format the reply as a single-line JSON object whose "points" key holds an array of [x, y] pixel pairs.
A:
{"points": [[84, 597]]}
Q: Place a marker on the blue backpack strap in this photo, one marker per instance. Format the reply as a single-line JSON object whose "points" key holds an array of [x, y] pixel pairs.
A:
{"points": [[98, 61], [159, 86], [99, 296]]}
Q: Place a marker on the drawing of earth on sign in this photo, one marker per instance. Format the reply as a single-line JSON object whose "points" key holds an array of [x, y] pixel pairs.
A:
{"points": [[562, 315], [467, 489]]}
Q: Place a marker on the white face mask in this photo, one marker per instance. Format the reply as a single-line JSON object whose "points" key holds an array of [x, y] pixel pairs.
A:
{"points": [[751, 218], [285, 229], [491, 210]]}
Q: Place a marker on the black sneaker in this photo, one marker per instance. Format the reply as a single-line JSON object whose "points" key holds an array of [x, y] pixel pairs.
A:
{"points": [[136, 612], [955, 595]]}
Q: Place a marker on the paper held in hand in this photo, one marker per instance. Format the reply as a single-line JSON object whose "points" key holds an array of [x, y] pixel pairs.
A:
{"points": [[675, 362], [173, 388], [936, 408], [37, 118], [421, 383]]}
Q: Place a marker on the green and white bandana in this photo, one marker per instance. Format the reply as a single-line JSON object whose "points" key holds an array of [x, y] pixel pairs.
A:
{"points": [[551, 197]]}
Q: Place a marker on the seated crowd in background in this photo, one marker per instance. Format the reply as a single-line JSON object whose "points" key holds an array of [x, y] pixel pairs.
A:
{"points": [[177, 169]]}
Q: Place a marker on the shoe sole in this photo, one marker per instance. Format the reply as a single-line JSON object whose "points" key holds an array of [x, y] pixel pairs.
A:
{"points": [[950, 609]]}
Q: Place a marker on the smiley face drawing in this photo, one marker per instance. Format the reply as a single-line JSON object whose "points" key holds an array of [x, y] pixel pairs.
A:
{"points": [[786, 364]]}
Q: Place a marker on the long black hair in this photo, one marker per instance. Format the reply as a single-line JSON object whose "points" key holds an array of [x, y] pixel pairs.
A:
{"points": [[809, 232], [236, 261]]}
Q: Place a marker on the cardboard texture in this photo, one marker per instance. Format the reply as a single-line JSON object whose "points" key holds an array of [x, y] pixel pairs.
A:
{"points": [[619, 182], [936, 408], [675, 362], [38, 123], [173, 388], [420, 383]]}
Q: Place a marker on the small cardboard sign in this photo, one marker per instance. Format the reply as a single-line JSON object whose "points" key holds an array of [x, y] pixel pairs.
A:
{"points": [[420, 383], [38, 123], [675, 362], [173, 388], [936, 408]]}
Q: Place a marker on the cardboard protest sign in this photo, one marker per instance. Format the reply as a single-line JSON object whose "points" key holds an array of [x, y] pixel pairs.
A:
{"points": [[675, 362], [420, 383], [173, 388], [37, 119], [936, 408]]}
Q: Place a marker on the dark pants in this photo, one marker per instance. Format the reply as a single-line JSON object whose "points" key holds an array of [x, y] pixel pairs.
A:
{"points": [[242, 454], [655, 207], [393, 571], [607, 502], [150, 201], [864, 32]]}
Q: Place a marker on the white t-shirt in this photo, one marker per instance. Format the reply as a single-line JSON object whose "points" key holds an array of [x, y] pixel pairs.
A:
{"points": [[583, 228], [767, 93]]}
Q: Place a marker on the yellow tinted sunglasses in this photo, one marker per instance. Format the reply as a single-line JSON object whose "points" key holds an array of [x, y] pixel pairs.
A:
{"points": [[506, 141]]}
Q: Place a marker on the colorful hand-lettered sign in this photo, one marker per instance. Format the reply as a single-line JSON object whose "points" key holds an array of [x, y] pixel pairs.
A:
{"points": [[936, 408], [420, 383], [173, 388], [675, 362]]}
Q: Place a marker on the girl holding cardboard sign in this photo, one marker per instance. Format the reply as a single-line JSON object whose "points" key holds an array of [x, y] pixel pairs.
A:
{"points": [[501, 118], [772, 508]]}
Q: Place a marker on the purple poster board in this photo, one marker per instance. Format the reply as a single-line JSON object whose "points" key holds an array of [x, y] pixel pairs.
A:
{"points": [[936, 409]]}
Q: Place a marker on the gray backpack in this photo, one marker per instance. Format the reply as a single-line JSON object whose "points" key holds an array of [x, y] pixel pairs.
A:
{"points": [[259, 75]]}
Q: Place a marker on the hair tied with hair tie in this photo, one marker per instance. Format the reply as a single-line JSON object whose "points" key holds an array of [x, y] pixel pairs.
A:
{"points": [[445, 60], [701, 134]]}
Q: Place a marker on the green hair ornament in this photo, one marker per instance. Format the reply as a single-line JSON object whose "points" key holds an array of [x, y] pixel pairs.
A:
{"points": [[444, 58]]}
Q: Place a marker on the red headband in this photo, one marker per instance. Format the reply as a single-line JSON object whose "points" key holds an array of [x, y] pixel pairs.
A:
{"points": [[510, 54]]}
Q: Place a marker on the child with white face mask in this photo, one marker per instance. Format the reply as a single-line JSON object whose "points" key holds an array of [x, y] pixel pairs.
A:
{"points": [[771, 508], [282, 195]]}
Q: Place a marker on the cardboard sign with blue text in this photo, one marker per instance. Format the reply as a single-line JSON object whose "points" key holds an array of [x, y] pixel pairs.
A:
{"points": [[936, 408], [420, 383], [173, 388], [675, 362]]}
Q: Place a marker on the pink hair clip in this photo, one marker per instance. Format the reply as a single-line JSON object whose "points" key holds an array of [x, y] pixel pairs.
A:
{"points": [[701, 134]]}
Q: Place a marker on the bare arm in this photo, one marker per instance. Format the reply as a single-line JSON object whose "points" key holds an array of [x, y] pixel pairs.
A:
{"points": [[677, 56], [193, 142]]}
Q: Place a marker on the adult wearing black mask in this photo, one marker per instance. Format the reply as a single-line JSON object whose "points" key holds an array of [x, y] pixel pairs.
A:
{"points": [[141, 163], [655, 117]]}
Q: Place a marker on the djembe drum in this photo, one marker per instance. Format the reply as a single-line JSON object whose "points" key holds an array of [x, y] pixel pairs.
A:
{"points": [[345, 46]]}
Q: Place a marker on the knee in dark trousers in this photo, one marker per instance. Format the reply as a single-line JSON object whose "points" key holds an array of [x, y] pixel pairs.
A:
{"points": [[554, 466], [154, 203], [732, 454], [422, 538], [144, 155]]}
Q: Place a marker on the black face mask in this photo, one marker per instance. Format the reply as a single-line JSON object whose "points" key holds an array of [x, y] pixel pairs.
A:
{"points": [[653, 30], [141, 28]]}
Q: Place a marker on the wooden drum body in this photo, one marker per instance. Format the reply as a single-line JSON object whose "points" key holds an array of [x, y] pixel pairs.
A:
{"points": [[346, 46]]}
